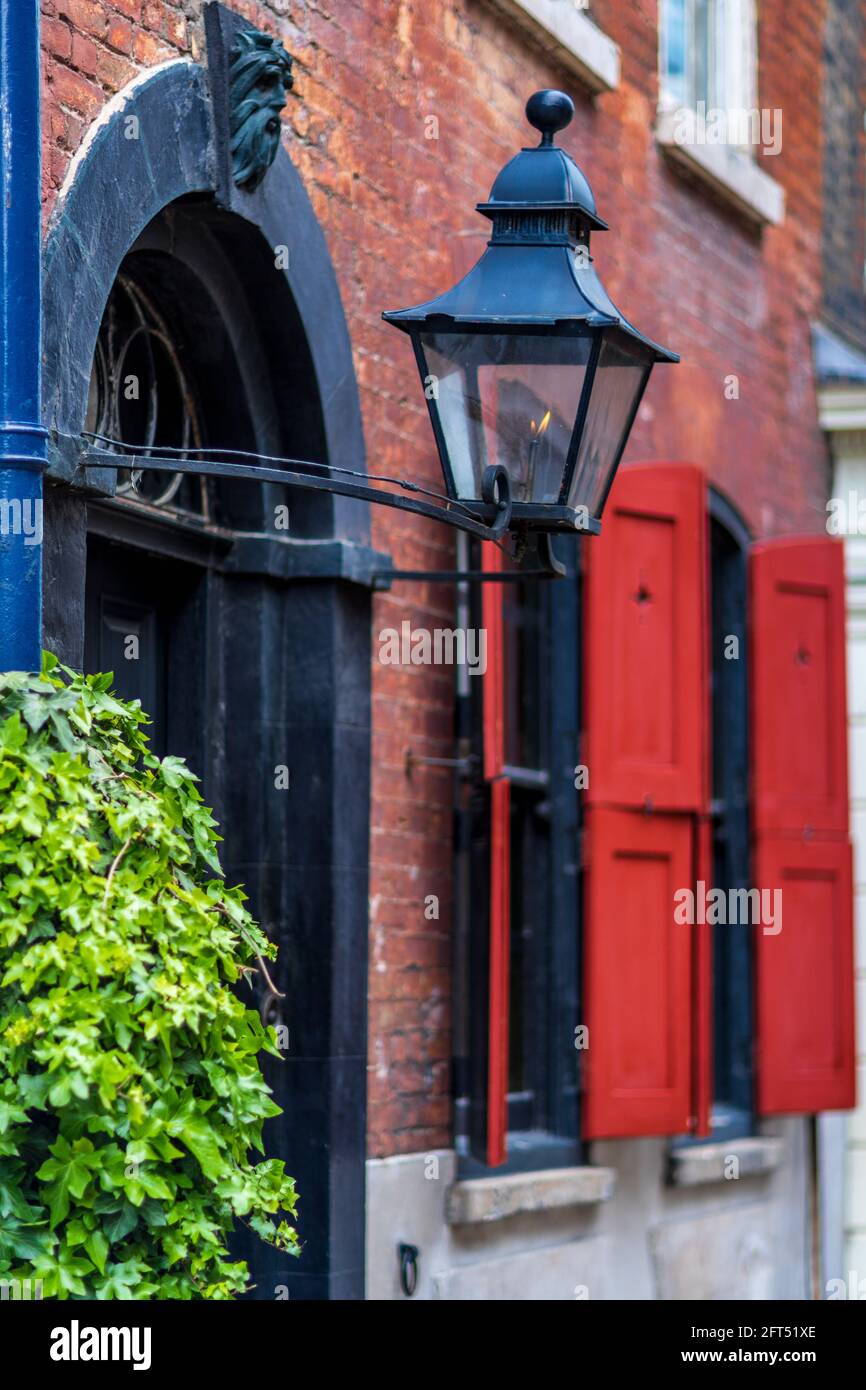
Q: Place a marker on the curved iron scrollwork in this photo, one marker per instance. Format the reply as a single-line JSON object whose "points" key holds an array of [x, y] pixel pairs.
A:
{"points": [[260, 74], [140, 396]]}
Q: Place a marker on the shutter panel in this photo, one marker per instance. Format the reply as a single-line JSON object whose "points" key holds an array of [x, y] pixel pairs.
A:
{"points": [[646, 708], [799, 737], [488, 1136], [637, 968], [805, 985], [500, 946], [493, 622], [703, 988], [805, 972]]}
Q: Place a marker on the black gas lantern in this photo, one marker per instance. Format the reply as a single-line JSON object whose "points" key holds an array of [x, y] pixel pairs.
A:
{"points": [[527, 365], [532, 376]]}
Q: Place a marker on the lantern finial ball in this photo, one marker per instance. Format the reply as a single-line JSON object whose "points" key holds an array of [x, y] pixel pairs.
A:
{"points": [[549, 111]]}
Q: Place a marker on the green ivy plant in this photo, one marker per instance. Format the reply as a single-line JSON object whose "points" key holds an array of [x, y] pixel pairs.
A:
{"points": [[131, 1094]]}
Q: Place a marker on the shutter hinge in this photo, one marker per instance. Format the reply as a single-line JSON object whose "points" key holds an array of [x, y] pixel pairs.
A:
{"points": [[465, 766]]}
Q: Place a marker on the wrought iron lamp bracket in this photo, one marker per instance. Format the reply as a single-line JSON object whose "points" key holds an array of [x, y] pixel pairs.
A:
{"points": [[489, 520]]}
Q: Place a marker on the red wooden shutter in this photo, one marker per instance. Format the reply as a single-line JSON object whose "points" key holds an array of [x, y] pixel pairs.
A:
{"points": [[493, 622], [805, 971], [646, 643], [702, 1023], [805, 989], [500, 867], [500, 948], [637, 975], [799, 736], [648, 759]]}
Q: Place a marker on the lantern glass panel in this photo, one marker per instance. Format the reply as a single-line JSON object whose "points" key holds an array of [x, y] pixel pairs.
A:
{"points": [[509, 399], [619, 380]]}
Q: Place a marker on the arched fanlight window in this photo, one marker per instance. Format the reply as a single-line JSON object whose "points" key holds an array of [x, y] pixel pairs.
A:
{"points": [[141, 393]]}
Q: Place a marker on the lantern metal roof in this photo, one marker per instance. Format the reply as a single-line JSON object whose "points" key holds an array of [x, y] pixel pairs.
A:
{"points": [[537, 269]]}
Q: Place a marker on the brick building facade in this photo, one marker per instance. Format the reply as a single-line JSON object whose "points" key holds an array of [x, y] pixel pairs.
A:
{"points": [[400, 117], [841, 370]]}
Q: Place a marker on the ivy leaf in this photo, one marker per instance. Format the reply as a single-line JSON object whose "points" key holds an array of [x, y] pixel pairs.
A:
{"points": [[194, 1131], [68, 1174], [175, 771], [76, 1232], [97, 1248], [33, 1089], [64, 735], [62, 1272], [10, 1114], [20, 1241], [13, 734], [121, 1281], [121, 1223]]}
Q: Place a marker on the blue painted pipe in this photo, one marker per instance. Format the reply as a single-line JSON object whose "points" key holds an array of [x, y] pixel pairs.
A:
{"points": [[23, 440]]}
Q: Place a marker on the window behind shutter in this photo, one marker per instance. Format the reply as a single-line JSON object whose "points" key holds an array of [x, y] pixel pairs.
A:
{"points": [[805, 971], [647, 753]]}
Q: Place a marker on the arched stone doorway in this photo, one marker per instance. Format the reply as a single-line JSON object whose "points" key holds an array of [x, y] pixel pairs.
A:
{"points": [[256, 639]]}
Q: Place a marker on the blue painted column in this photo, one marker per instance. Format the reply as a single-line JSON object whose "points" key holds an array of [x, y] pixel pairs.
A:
{"points": [[23, 440]]}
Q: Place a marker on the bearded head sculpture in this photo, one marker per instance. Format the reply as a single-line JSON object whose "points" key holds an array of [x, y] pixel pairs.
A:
{"points": [[260, 74]]}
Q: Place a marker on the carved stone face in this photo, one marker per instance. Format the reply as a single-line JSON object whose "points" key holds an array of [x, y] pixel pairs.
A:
{"points": [[259, 76]]}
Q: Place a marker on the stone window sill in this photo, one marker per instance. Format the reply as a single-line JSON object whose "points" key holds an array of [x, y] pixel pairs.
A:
{"points": [[696, 1164], [559, 26], [733, 175], [479, 1200]]}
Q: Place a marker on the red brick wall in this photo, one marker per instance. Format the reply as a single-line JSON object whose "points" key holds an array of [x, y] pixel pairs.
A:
{"points": [[393, 205]]}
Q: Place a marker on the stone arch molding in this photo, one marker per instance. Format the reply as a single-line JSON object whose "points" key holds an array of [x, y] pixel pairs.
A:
{"points": [[156, 142]]}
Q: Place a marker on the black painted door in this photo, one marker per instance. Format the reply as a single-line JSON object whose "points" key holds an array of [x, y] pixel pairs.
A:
{"points": [[142, 622]]}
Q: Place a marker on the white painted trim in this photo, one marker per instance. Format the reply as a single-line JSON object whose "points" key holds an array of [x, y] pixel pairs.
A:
{"points": [[831, 1133], [560, 26], [733, 175], [738, 44], [842, 409], [732, 83], [841, 1172]]}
